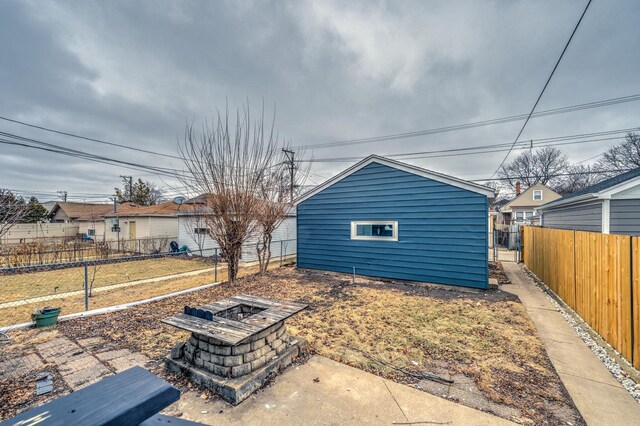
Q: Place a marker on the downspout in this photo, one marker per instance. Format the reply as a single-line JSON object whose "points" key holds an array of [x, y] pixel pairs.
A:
{"points": [[606, 215]]}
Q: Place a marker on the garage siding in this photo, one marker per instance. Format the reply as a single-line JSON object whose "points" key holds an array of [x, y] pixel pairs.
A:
{"points": [[442, 229], [625, 217], [583, 217]]}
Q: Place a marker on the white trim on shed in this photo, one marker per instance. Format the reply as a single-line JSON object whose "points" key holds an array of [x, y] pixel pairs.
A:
{"points": [[450, 180]]}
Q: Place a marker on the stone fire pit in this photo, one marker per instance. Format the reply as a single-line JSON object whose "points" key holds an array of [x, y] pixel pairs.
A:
{"points": [[235, 344]]}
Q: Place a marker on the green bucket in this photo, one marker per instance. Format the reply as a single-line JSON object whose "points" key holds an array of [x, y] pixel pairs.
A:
{"points": [[47, 317]]}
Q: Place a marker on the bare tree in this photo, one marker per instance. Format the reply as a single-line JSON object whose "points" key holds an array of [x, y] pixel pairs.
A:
{"points": [[12, 210], [621, 157], [500, 191], [544, 165], [228, 159], [274, 196], [577, 177], [143, 193]]}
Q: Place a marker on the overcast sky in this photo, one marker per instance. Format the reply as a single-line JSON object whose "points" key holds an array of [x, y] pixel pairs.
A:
{"points": [[134, 72]]}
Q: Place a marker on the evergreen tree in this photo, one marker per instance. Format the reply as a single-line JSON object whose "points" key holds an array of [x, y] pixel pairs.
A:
{"points": [[35, 211]]}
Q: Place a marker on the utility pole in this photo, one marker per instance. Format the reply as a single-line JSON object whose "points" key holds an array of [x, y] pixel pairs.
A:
{"points": [[290, 161], [129, 190], [63, 194]]}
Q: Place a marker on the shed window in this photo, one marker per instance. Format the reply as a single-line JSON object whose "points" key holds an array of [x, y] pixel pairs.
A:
{"points": [[200, 231], [537, 195], [374, 230]]}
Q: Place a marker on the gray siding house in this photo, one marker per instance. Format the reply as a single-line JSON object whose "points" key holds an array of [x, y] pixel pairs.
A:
{"points": [[611, 207]]}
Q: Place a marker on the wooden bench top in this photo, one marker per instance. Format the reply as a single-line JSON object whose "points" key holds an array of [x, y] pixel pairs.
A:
{"points": [[234, 332], [127, 398]]}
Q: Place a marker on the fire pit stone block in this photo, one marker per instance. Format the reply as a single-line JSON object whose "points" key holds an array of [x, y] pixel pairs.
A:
{"points": [[235, 344]]}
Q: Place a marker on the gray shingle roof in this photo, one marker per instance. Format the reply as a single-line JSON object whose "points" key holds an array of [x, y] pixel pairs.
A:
{"points": [[605, 184]]}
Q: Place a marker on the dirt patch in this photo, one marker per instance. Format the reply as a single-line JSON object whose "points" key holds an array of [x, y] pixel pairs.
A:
{"points": [[483, 337], [497, 271]]}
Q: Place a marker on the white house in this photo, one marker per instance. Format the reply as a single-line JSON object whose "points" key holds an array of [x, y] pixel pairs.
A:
{"points": [[157, 222], [193, 233], [522, 210]]}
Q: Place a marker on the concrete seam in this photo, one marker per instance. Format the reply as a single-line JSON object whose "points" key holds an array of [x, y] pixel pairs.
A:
{"points": [[395, 400]]}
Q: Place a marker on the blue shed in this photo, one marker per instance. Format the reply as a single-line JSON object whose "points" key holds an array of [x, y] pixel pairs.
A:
{"points": [[393, 220]]}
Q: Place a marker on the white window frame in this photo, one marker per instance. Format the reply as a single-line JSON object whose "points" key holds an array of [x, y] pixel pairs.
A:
{"points": [[534, 195], [354, 230]]}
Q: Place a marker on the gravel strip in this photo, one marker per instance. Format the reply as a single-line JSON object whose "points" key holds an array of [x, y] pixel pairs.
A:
{"points": [[614, 368]]}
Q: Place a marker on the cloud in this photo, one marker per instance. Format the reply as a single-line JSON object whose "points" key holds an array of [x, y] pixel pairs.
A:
{"points": [[135, 72]]}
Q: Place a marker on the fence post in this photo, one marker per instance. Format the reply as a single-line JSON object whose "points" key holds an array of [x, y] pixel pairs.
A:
{"points": [[632, 313], [215, 265], [281, 245], [495, 250], [86, 286]]}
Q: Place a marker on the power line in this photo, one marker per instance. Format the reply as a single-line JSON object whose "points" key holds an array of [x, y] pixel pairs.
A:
{"points": [[49, 147], [60, 147], [73, 135], [7, 142], [590, 172], [481, 149], [566, 46], [456, 127]]}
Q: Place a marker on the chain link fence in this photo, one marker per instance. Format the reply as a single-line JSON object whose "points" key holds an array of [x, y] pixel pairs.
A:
{"points": [[99, 283], [33, 360], [46, 251]]}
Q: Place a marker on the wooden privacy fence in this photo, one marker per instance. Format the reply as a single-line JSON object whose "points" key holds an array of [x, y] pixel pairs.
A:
{"points": [[597, 275]]}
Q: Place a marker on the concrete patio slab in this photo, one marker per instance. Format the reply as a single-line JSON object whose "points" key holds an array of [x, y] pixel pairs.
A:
{"points": [[324, 392], [598, 396]]}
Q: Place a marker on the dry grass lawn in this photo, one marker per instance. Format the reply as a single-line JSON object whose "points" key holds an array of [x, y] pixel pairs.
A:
{"points": [[109, 275], [27, 285], [485, 337]]}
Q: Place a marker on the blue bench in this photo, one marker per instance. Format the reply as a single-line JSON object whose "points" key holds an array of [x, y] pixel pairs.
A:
{"points": [[133, 397]]}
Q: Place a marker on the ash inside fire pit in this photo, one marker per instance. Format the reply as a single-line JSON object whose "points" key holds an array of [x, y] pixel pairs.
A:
{"points": [[235, 344], [239, 312]]}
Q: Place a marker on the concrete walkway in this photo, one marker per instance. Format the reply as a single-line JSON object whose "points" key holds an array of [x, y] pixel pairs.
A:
{"points": [[324, 392], [600, 398]]}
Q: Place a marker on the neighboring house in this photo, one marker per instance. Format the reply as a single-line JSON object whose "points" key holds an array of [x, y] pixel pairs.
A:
{"points": [[193, 233], [522, 210], [159, 221], [48, 205], [384, 218], [28, 232], [611, 206], [88, 217]]}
